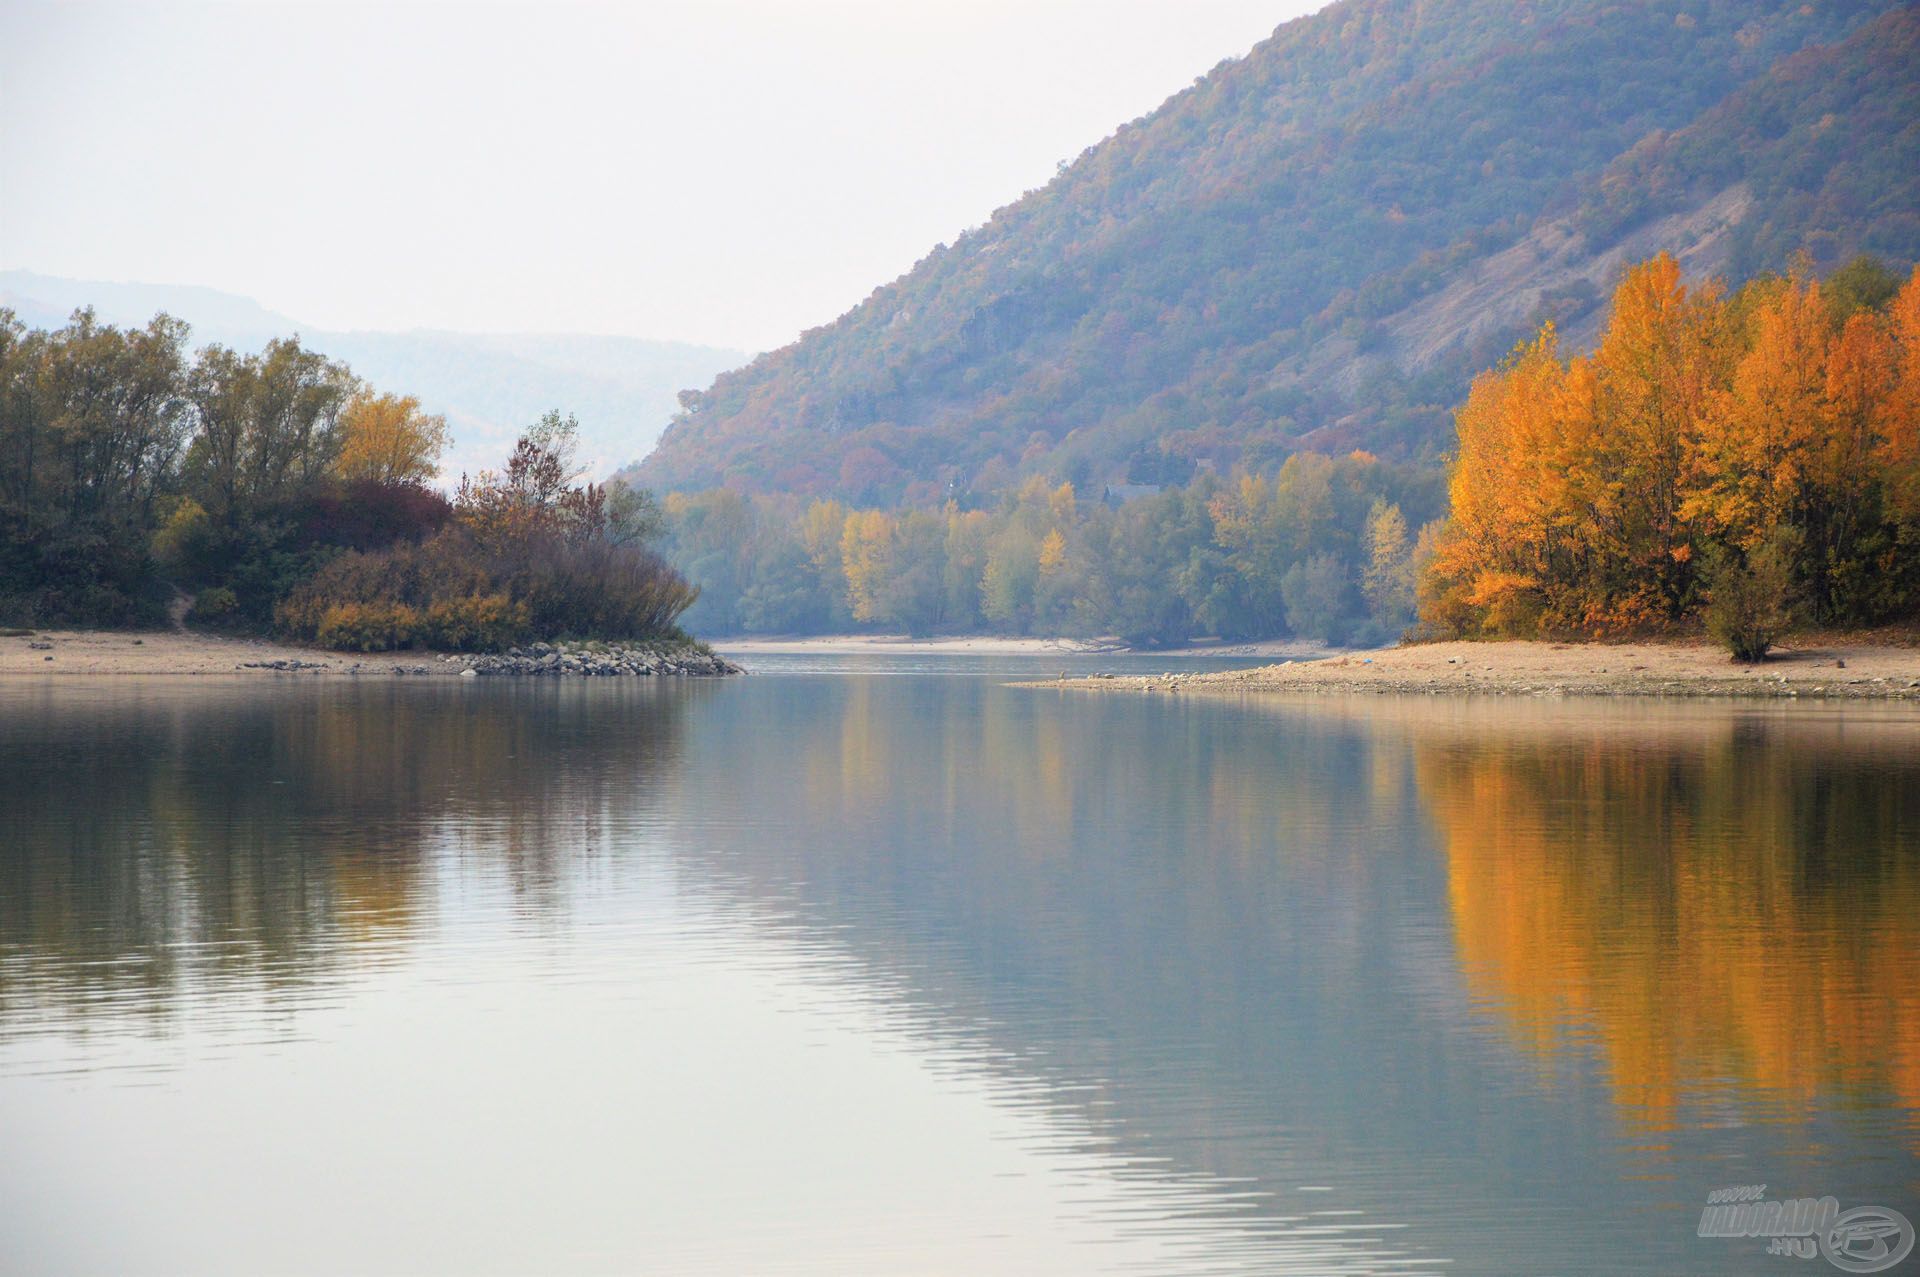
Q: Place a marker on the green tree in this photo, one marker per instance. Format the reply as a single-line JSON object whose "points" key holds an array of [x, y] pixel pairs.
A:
{"points": [[912, 591], [1316, 592], [1007, 584]]}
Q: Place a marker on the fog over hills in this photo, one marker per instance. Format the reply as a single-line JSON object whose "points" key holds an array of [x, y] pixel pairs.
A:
{"points": [[489, 385]]}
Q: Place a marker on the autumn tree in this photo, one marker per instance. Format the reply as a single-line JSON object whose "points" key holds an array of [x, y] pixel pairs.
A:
{"points": [[1899, 446], [1752, 454], [539, 493], [387, 439], [268, 426], [866, 540], [1659, 365], [1736, 435], [1526, 499], [1388, 583], [92, 427]]}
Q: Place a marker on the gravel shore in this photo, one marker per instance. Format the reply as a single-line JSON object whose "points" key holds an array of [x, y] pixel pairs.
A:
{"points": [[1829, 670]]}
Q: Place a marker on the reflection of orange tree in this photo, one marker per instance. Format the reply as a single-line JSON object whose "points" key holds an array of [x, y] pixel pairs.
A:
{"points": [[1710, 893], [1737, 900]]}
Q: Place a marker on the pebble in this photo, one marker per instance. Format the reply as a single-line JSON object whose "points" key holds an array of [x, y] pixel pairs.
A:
{"points": [[597, 660]]}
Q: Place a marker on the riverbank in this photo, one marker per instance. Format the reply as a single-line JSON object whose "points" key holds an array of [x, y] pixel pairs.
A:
{"points": [[990, 645], [1843, 670], [109, 652]]}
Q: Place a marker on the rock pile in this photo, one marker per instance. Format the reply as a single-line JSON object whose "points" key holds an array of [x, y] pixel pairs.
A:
{"points": [[594, 660]]}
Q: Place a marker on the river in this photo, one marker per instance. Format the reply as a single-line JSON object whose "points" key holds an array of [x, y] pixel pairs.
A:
{"points": [[881, 965]]}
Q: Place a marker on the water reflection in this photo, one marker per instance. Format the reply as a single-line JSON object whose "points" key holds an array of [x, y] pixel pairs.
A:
{"points": [[1725, 903], [1269, 928], [161, 836], [1322, 986]]}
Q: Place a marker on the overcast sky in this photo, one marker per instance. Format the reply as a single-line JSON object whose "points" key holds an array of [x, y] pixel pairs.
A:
{"points": [[725, 172]]}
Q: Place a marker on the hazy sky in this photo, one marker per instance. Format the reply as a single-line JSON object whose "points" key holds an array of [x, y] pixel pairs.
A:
{"points": [[727, 172]]}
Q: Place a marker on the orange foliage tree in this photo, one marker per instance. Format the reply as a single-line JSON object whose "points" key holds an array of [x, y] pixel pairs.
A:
{"points": [[1606, 494]]}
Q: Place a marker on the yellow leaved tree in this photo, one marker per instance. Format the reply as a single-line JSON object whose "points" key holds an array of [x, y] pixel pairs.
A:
{"points": [[388, 439]]}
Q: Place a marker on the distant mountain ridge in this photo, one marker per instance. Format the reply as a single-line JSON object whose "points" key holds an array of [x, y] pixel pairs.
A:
{"points": [[490, 386], [1316, 245]]}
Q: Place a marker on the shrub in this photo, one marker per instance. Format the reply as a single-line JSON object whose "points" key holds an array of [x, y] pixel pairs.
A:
{"points": [[216, 605], [83, 573], [1750, 602], [176, 543], [369, 515], [457, 592], [476, 623], [370, 627]]}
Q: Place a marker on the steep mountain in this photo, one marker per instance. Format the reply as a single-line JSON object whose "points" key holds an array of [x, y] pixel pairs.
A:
{"points": [[1316, 245], [490, 386]]}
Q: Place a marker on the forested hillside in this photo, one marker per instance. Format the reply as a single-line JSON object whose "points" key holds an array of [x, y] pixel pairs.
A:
{"points": [[1318, 244]]}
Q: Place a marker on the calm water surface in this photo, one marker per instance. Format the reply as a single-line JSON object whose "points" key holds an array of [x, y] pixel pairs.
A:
{"points": [[876, 966]]}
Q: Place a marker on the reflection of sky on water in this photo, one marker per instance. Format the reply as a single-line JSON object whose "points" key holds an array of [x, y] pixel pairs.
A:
{"points": [[822, 972]]}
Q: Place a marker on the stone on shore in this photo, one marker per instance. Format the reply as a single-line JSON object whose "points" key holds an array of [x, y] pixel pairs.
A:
{"points": [[596, 660]]}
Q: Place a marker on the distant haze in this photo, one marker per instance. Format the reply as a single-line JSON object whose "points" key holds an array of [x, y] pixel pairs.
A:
{"points": [[725, 173], [489, 386]]}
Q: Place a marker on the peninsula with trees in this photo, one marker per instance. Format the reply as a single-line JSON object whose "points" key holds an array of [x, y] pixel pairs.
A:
{"points": [[275, 494]]}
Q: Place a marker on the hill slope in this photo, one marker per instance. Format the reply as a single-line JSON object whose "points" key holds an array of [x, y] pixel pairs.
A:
{"points": [[490, 386], [1317, 244]]}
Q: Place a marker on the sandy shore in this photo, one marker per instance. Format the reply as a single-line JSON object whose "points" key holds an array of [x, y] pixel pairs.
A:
{"points": [[177, 652], [94, 652], [1824, 669], [1813, 669]]}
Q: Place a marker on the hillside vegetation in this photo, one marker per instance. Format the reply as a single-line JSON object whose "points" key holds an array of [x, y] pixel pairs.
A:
{"points": [[1317, 245]]}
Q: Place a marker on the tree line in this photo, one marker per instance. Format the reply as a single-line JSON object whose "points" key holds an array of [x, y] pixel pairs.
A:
{"points": [[1745, 460], [275, 490], [1323, 547], [1739, 461]]}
